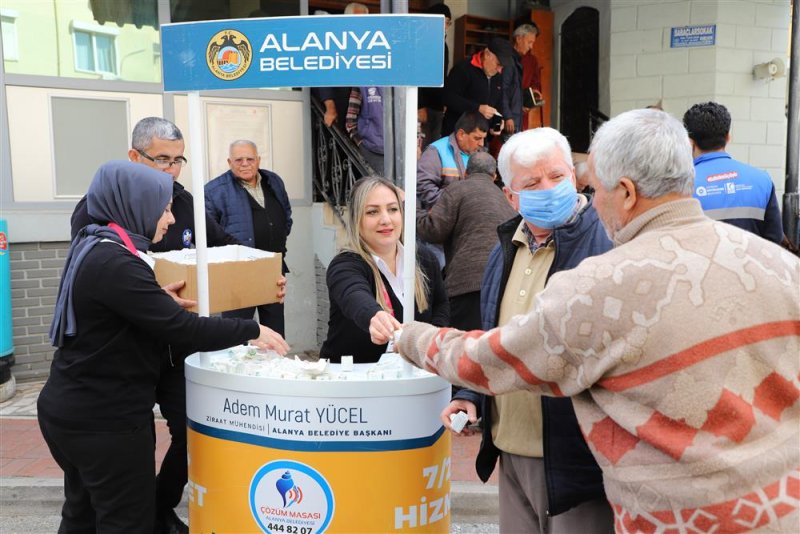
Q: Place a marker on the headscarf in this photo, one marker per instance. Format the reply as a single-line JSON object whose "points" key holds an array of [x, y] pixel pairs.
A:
{"points": [[129, 194]]}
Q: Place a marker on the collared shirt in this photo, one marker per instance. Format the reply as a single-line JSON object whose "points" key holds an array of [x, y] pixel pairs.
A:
{"points": [[517, 417], [255, 190], [395, 280]]}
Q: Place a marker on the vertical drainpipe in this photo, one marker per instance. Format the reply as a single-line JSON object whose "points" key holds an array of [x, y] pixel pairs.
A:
{"points": [[791, 203]]}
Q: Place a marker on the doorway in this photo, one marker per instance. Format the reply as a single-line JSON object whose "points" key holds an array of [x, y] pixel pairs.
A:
{"points": [[579, 86]]}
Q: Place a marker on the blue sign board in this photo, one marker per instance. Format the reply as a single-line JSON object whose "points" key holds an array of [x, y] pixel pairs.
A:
{"points": [[690, 36], [309, 51]]}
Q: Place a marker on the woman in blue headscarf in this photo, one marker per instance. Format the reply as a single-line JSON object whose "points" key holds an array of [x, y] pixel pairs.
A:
{"points": [[111, 323]]}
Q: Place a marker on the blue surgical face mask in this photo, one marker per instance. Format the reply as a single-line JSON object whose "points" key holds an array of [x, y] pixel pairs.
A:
{"points": [[548, 208]]}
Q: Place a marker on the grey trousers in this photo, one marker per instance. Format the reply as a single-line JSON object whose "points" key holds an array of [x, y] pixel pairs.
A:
{"points": [[523, 503]]}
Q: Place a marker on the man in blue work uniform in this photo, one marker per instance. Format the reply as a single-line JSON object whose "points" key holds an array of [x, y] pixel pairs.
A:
{"points": [[729, 190]]}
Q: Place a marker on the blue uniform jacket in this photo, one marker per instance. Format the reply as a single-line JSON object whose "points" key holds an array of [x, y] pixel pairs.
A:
{"points": [[571, 472], [228, 203], [737, 194]]}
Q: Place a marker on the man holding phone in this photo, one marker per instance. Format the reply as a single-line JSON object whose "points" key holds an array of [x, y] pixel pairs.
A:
{"points": [[475, 84]]}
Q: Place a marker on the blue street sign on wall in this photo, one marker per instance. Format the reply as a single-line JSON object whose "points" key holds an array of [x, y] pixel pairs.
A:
{"points": [[691, 36], [310, 51]]}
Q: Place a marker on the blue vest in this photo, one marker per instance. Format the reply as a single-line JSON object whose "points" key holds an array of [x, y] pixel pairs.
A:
{"points": [[729, 189], [370, 119], [450, 170]]}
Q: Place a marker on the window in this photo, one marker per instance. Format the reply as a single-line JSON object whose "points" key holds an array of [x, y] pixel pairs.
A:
{"points": [[8, 27], [92, 40], [95, 48], [87, 132]]}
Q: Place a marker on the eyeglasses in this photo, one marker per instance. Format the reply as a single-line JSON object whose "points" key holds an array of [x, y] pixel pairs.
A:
{"points": [[242, 161], [164, 163]]}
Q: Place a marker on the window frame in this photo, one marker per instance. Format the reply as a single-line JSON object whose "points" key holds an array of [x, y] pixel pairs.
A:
{"points": [[94, 30], [8, 18]]}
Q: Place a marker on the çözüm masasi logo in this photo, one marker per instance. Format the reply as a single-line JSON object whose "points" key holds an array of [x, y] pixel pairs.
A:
{"points": [[291, 496], [229, 55]]}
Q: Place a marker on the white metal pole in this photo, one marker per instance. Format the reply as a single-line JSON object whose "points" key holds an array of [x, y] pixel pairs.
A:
{"points": [[197, 137], [410, 222]]}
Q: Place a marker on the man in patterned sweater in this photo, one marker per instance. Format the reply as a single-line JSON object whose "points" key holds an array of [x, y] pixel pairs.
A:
{"points": [[679, 348]]}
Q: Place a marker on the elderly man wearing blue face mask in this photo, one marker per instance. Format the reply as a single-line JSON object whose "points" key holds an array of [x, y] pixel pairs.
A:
{"points": [[549, 481]]}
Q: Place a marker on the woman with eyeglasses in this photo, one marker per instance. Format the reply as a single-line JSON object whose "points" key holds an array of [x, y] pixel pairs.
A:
{"points": [[110, 325], [365, 280]]}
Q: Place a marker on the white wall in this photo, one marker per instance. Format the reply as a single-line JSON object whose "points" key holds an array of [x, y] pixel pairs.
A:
{"points": [[31, 134], [496, 9], [285, 143], [301, 294], [644, 69]]}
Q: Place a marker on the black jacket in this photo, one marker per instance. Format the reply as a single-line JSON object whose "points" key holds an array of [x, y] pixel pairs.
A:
{"points": [[351, 290], [466, 89], [104, 377], [571, 472], [180, 235]]}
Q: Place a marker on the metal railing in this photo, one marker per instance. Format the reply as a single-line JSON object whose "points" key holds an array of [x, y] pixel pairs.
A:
{"points": [[337, 163]]}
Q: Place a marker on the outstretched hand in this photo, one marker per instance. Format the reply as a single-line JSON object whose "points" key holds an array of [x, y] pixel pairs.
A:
{"points": [[269, 339], [382, 327]]}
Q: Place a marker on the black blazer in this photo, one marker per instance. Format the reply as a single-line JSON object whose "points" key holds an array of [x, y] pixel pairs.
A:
{"points": [[351, 290]]}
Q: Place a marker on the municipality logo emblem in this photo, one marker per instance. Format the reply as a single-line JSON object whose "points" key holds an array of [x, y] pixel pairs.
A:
{"points": [[289, 491], [186, 237], [229, 55], [278, 505]]}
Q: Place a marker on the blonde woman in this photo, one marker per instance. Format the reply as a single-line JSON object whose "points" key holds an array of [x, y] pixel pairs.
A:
{"points": [[365, 281]]}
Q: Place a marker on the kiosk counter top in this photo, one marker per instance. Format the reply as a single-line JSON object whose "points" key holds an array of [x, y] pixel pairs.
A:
{"points": [[248, 370]]}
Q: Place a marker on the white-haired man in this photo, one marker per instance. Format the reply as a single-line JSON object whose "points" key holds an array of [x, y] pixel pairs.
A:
{"points": [[549, 481], [251, 204], [679, 348]]}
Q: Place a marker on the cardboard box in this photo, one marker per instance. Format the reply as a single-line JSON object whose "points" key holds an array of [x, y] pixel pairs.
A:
{"points": [[238, 276]]}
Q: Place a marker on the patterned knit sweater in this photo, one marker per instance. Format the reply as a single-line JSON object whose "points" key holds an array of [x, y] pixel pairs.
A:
{"points": [[681, 351]]}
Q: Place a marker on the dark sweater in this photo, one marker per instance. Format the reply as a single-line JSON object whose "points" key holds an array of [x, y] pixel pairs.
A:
{"points": [[351, 290], [104, 378], [466, 89], [180, 235], [465, 220]]}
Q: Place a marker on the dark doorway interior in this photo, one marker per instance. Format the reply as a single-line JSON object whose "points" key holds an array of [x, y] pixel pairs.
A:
{"points": [[578, 97]]}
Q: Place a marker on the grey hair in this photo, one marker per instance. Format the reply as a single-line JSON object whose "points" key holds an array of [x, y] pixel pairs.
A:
{"points": [[482, 163], [242, 142], [528, 147], [151, 128], [647, 146], [523, 30], [352, 7]]}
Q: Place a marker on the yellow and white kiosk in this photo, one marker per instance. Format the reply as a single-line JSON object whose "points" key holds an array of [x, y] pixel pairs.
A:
{"points": [[271, 448]]}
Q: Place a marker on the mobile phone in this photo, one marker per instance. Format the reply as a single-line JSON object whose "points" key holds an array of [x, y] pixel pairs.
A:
{"points": [[496, 122], [477, 425]]}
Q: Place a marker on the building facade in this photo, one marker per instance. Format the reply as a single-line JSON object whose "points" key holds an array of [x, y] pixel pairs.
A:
{"points": [[77, 75]]}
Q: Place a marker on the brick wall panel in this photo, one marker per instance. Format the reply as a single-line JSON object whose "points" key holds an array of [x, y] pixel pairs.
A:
{"points": [[35, 272]]}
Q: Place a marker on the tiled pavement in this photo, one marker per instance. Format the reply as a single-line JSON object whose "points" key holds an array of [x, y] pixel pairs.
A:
{"points": [[23, 452]]}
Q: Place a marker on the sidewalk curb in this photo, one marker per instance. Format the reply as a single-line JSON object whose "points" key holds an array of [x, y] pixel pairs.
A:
{"points": [[471, 501]]}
